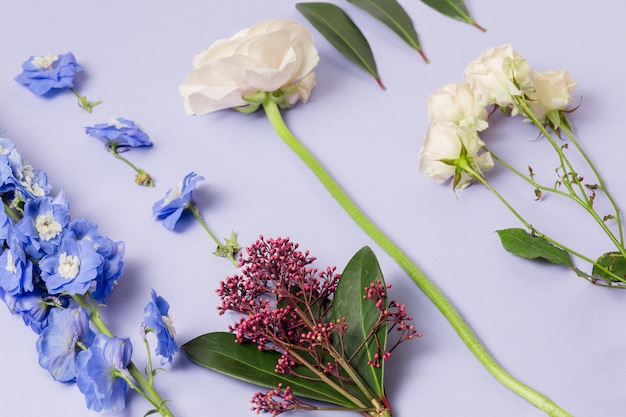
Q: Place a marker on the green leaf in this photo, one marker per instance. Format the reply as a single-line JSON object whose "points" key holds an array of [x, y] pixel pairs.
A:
{"points": [[361, 316], [392, 14], [455, 9], [342, 33], [614, 262], [521, 243], [219, 351]]}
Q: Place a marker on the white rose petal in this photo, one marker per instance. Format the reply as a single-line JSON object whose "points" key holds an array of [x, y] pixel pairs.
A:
{"points": [[456, 104], [272, 55]]}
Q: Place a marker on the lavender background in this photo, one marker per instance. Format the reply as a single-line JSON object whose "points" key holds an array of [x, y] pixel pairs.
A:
{"points": [[550, 329]]}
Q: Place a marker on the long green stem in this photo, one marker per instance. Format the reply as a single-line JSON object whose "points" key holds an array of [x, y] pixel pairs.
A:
{"points": [[143, 386], [426, 285], [142, 177]]}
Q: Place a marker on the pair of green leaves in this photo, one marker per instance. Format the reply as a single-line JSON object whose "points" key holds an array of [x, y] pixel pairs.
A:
{"points": [[219, 351], [337, 27], [526, 245]]}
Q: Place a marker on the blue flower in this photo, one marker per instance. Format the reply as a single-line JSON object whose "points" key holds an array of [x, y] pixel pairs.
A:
{"points": [[72, 269], [112, 253], [156, 318], [44, 73], [16, 269], [171, 207], [99, 371], [45, 219], [59, 343], [120, 132]]}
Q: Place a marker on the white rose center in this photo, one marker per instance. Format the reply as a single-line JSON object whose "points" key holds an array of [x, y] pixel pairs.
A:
{"points": [[47, 227], [68, 266], [44, 62]]}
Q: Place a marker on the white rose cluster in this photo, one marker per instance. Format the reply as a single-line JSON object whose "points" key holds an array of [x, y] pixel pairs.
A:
{"points": [[271, 56], [501, 78]]}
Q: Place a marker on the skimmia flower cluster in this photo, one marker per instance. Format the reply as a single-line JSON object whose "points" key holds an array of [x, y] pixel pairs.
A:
{"points": [[291, 308], [42, 74], [179, 199], [55, 272], [120, 135], [502, 79]]}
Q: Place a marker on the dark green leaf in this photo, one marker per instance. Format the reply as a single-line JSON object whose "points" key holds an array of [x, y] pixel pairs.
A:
{"points": [[521, 243], [455, 9], [392, 14], [612, 261], [342, 33], [219, 351], [361, 316]]}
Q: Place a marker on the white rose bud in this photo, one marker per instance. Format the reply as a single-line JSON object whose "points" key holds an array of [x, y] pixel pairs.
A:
{"points": [[445, 143], [269, 56], [552, 91], [456, 104]]}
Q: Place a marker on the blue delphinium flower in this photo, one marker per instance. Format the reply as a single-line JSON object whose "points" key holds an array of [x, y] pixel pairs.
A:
{"points": [[34, 307], [59, 343], [44, 73], [73, 269], [43, 224], [171, 207], [121, 133], [111, 252], [100, 372], [157, 319], [16, 269]]}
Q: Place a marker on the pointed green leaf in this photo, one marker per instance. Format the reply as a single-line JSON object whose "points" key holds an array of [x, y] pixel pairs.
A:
{"points": [[521, 243], [342, 33], [455, 9], [392, 14], [361, 316], [612, 261], [219, 351]]}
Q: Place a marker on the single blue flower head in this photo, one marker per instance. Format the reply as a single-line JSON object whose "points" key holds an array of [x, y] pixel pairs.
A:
{"points": [[60, 341], [34, 307], [98, 373], [45, 219], [122, 133], [44, 73], [171, 207], [16, 269], [73, 269], [157, 319]]}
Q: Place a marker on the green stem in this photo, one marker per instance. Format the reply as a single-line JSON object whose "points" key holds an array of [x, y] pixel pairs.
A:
{"points": [[83, 103], [142, 386], [227, 253], [142, 177], [426, 285]]}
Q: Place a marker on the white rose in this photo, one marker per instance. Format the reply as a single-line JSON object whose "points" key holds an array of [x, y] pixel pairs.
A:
{"points": [[269, 56], [457, 104], [496, 75], [445, 142], [552, 90]]}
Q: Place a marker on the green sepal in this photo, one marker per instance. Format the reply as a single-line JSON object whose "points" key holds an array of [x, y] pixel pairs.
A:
{"points": [[393, 15], [521, 243], [361, 317], [338, 29], [455, 9], [219, 351]]}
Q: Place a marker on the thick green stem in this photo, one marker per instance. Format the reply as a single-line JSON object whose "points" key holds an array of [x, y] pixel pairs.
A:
{"points": [[426, 285], [140, 383]]}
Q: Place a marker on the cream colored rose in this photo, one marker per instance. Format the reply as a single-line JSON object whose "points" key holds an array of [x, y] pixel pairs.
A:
{"points": [[269, 56], [456, 104], [552, 90], [496, 75], [445, 143]]}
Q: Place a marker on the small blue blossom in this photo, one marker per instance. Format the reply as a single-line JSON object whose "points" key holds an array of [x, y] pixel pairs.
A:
{"points": [[44, 73], [45, 219], [73, 269], [34, 307], [16, 269], [171, 207], [59, 343], [112, 253], [99, 371], [157, 319], [120, 132]]}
